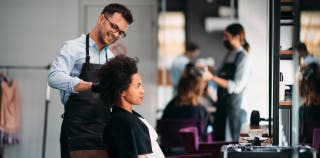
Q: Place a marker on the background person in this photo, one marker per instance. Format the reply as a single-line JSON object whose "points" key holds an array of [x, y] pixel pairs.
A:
{"points": [[306, 57], [74, 71], [309, 112], [192, 50], [232, 80], [186, 103]]}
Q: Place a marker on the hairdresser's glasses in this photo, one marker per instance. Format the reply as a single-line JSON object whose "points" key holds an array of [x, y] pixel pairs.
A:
{"points": [[115, 28]]}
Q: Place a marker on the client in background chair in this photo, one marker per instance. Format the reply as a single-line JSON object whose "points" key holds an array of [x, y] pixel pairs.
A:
{"points": [[309, 112], [184, 110], [186, 103]]}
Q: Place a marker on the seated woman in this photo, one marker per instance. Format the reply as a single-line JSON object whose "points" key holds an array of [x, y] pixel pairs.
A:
{"points": [[186, 103], [309, 112], [127, 134]]}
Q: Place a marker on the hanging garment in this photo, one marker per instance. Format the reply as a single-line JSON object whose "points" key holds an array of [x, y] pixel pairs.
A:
{"points": [[84, 119], [9, 113]]}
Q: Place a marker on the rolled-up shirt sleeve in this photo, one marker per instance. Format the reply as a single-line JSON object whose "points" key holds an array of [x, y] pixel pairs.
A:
{"points": [[242, 74], [59, 73]]}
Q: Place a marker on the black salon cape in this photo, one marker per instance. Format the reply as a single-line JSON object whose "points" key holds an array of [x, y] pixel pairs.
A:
{"points": [[125, 135]]}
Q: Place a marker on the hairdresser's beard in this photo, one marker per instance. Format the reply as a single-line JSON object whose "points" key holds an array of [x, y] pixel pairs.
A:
{"points": [[106, 38]]}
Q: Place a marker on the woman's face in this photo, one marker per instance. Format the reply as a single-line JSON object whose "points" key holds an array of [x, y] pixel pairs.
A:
{"points": [[135, 92], [230, 41], [227, 36]]}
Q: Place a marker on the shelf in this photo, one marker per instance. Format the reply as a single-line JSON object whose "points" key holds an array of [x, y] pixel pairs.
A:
{"points": [[287, 15], [287, 10], [286, 54], [286, 2], [286, 22], [285, 104]]}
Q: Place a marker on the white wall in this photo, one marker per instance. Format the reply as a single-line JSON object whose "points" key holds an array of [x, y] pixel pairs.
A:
{"points": [[286, 66], [31, 32], [286, 37], [254, 16]]}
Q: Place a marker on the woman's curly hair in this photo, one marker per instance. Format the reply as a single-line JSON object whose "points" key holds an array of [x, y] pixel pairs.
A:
{"points": [[115, 77]]}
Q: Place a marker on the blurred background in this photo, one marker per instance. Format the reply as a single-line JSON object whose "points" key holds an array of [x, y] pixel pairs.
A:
{"points": [[32, 31]]}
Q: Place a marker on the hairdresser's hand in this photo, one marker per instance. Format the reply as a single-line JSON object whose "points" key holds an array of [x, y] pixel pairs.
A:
{"points": [[95, 87], [207, 75], [82, 86]]}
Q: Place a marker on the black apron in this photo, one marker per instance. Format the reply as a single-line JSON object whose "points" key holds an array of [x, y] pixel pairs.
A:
{"points": [[228, 106], [84, 118]]}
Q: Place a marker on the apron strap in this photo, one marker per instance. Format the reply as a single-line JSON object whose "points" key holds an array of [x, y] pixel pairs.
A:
{"points": [[87, 50], [237, 57], [228, 54]]}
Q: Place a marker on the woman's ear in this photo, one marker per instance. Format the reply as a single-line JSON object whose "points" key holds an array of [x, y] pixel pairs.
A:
{"points": [[122, 94]]}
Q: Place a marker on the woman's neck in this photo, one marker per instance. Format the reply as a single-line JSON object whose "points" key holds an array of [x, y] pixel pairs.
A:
{"points": [[236, 46], [126, 106]]}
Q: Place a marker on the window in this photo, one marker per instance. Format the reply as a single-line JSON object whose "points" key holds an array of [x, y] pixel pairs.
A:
{"points": [[171, 38]]}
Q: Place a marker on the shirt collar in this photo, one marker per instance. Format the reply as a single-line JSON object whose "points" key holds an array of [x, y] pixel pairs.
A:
{"points": [[92, 43], [238, 50]]}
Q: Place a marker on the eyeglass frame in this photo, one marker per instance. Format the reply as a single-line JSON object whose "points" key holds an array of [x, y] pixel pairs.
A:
{"points": [[116, 28]]}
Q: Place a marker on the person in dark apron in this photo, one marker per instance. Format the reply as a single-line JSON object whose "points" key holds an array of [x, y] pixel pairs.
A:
{"points": [[232, 81], [74, 73]]}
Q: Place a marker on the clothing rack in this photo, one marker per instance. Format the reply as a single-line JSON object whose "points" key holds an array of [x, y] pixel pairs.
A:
{"points": [[47, 67]]}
